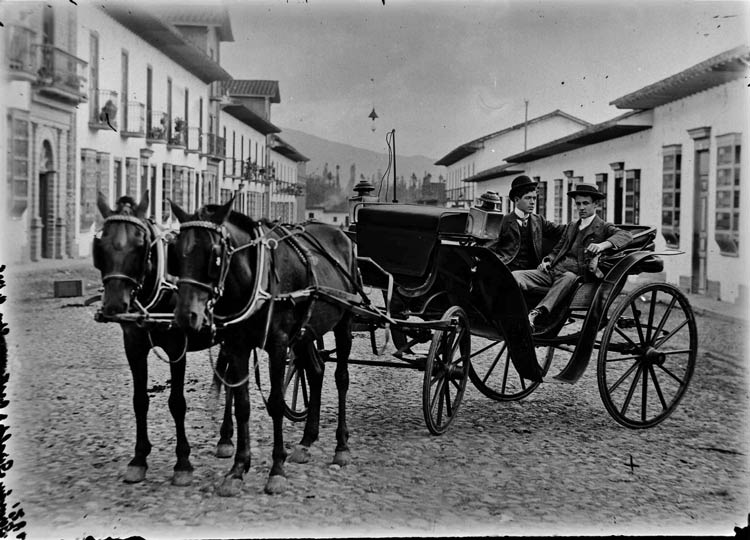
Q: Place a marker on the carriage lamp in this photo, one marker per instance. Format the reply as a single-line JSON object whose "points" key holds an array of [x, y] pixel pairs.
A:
{"points": [[485, 216]]}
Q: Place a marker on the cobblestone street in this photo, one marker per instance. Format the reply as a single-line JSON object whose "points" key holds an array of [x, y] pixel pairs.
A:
{"points": [[555, 463]]}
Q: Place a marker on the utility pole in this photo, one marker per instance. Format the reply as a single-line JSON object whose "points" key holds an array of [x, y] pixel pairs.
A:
{"points": [[393, 140]]}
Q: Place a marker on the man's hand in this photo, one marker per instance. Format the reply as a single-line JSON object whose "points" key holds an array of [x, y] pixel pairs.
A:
{"points": [[544, 266], [598, 248]]}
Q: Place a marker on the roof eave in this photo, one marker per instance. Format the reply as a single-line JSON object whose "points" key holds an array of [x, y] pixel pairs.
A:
{"points": [[243, 114]]}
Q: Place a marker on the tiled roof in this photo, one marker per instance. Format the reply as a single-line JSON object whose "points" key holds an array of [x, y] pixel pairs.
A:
{"points": [[506, 169], [719, 69], [253, 88], [477, 144]]}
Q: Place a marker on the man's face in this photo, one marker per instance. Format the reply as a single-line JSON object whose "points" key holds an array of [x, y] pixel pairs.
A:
{"points": [[586, 206], [527, 202]]}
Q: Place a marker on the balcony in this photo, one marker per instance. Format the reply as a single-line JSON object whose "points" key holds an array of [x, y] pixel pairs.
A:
{"points": [[290, 188], [103, 110], [194, 140], [134, 120], [61, 75], [177, 139], [21, 54], [157, 123], [215, 146]]}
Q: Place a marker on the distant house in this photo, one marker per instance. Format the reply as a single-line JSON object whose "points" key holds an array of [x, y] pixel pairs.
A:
{"points": [[334, 216]]}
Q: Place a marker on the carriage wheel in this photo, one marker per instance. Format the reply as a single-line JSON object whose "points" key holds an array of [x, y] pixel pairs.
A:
{"points": [[492, 371], [380, 337], [446, 371], [647, 355]]}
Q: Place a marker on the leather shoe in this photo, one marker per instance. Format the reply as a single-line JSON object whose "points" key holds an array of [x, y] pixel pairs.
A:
{"points": [[533, 315]]}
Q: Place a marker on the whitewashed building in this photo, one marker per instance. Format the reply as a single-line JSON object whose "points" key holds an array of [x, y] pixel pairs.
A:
{"points": [[482, 160], [332, 217], [677, 161]]}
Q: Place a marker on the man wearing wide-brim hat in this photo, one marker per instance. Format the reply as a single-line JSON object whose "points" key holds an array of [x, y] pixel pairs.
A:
{"points": [[522, 235], [583, 239]]}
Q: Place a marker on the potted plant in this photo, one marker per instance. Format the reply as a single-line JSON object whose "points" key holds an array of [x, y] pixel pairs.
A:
{"points": [[108, 112]]}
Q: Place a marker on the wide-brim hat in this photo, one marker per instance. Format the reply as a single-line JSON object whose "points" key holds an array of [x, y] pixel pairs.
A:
{"points": [[520, 183], [587, 189]]}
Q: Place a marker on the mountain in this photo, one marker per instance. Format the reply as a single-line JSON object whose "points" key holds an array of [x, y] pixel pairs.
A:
{"points": [[322, 151]]}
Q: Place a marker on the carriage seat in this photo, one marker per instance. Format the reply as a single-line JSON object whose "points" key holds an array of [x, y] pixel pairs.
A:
{"points": [[402, 238], [643, 240]]}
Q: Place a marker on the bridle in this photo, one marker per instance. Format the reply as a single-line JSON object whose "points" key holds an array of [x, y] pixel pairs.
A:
{"points": [[136, 282]]}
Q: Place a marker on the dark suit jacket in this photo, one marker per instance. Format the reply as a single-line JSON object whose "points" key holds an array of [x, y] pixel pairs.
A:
{"points": [[508, 241], [598, 231]]}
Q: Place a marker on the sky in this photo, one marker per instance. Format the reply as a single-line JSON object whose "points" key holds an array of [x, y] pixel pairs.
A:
{"points": [[442, 73]]}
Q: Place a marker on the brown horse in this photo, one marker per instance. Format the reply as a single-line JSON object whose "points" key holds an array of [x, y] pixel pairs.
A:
{"points": [[131, 253], [256, 284]]}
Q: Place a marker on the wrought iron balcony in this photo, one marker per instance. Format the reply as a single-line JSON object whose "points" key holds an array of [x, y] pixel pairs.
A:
{"points": [[61, 74], [194, 139], [22, 62], [157, 123], [134, 120], [103, 109], [215, 146]]}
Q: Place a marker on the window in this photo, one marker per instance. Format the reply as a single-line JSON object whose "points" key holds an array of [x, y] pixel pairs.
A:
{"points": [[149, 98], [117, 172], [169, 108], [728, 193], [541, 197], [633, 196], [94, 77], [124, 90], [166, 191], [335, 219], [601, 184], [18, 163], [558, 200], [310, 215], [670, 194]]}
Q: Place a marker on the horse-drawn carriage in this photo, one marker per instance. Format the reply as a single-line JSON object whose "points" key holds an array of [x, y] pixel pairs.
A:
{"points": [[452, 308]]}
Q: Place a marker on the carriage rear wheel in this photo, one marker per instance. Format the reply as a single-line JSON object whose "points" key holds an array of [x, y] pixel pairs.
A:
{"points": [[492, 371], [446, 372], [647, 355]]}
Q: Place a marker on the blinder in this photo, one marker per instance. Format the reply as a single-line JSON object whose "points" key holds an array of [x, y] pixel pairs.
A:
{"points": [[96, 252], [173, 259]]}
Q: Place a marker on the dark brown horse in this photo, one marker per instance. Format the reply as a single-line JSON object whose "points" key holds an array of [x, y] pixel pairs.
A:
{"points": [[256, 284], [131, 253]]}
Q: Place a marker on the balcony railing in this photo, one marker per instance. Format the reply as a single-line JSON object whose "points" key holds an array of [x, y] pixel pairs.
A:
{"points": [[290, 188], [61, 74], [178, 137], [194, 139], [215, 145], [103, 107], [21, 54], [156, 126], [134, 121]]}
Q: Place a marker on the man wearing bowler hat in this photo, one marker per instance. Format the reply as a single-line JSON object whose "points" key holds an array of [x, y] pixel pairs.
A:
{"points": [[583, 239], [520, 240]]}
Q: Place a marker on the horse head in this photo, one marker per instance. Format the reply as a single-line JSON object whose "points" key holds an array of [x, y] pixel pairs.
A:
{"points": [[122, 251], [203, 250]]}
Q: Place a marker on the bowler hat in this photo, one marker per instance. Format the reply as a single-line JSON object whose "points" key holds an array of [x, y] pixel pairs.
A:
{"points": [[587, 189], [519, 183]]}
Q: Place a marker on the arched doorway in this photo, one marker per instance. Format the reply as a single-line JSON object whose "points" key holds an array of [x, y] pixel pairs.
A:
{"points": [[46, 200]]}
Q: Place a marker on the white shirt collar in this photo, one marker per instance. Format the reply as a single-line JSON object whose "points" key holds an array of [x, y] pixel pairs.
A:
{"points": [[520, 214], [586, 222]]}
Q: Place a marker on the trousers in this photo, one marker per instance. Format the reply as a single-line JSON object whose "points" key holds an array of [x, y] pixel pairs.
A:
{"points": [[556, 283]]}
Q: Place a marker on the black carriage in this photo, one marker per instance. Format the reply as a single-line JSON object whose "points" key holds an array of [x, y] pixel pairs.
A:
{"points": [[454, 311]]}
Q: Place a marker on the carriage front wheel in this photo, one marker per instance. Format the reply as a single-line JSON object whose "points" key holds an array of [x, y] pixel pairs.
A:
{"points": [[446, 371], [647, 355]]}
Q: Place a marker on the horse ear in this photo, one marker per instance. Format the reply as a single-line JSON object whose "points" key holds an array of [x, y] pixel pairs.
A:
{"points": [[101, 203], [142, 208], [223, 212], [178, 212]]}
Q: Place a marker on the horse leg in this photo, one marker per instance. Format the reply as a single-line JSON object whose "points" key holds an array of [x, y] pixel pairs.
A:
{"points": [[315, 369], [136, 350], [224, 448], [231, 486], [183, 470], [276, 482], [343, 335]]}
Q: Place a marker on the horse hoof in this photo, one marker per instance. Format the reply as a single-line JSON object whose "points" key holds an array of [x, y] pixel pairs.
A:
{"points": [[300, 454], [230, 487], [182, 478], [224, 450], [134, 474], [342, 458], [275, 485]]}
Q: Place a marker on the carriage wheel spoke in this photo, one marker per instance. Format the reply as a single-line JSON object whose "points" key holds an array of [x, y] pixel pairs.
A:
{"points": [[448, 405], [623, 377], [295, 389], [671, 334], [492, 367], [505, 373], [657, 388], [523, 381], [480, 351], [627, 338], [631, 391], [664, 317], [621, 358], [675, 377], [652, 308], [637, 319], [644, 395]]}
